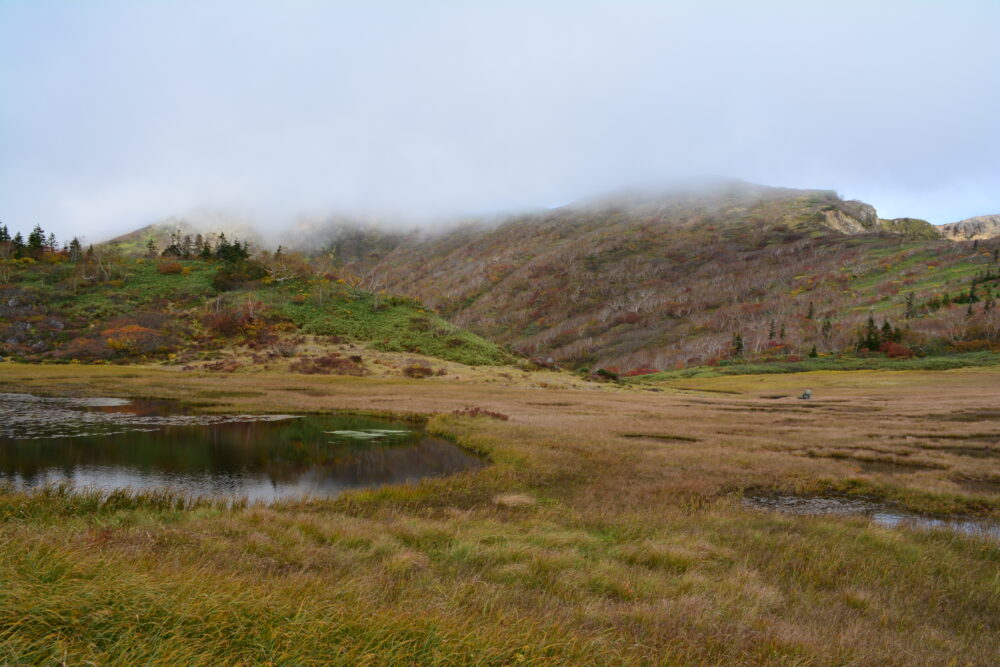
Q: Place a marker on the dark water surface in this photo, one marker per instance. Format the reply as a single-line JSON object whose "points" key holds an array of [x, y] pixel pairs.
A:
{"points": [[112, 443]]}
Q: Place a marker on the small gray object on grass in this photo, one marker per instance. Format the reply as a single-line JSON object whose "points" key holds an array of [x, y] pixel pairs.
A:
{"points": [[806, 395]]}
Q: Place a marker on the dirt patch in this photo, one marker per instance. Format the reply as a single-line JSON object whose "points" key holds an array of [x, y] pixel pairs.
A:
{"points": [[514, 500]]}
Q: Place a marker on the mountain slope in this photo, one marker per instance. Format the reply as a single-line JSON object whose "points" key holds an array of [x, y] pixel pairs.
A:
{"points": [[107, 307], [666, 281]]}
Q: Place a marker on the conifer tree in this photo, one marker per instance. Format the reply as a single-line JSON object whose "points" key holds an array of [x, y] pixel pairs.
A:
{"points": [[36, 242], [75, 250], [886, 334], [17, 246], [870, 339]]}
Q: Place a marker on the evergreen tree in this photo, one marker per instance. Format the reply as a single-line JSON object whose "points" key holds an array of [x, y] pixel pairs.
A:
{"points": [[827, 328], [811, 312], [770, 331], [234, 252], [813, 352], [17, 246], [151, 249], [911, 306], [4, 234], [886, 334], [36, 242], [870, 339], [51, 242], [75, 250], [174, 249], [737, 345], [781, 334]]}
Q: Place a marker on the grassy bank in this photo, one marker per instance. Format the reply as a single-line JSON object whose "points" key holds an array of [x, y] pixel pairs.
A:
{"points": [[607, 530], [830, 363]]}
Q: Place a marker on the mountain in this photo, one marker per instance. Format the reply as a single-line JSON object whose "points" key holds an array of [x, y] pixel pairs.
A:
{"points": [[664, 280], [659, 280], [971, 229]]}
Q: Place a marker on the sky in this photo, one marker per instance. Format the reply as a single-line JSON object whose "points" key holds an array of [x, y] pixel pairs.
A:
{"points": [[117, 114]]}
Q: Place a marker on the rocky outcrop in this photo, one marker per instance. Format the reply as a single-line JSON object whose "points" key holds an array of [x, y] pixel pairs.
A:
{"points": [[851, 217], [856, 217], [972, 229]]}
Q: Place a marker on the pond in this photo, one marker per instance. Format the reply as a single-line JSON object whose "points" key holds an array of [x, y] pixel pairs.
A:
{"points": [[107, 444], [879, 513]]}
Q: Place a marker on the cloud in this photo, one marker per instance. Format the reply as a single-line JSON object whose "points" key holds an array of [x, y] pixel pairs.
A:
{"points": [[119, 114]]}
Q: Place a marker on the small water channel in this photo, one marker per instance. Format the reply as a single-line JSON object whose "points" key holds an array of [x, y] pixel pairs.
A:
{"points": [[879, 513], [108, 443]]}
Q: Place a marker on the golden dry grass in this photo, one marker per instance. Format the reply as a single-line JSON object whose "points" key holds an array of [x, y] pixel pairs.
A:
{"points": [[608, 530]]}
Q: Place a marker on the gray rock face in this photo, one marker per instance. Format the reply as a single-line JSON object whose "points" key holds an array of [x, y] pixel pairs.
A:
{"points": [[971, 229], [852, 217]]}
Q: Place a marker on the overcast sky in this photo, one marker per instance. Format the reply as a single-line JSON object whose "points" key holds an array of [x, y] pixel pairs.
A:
{"points": [[117, 114]]}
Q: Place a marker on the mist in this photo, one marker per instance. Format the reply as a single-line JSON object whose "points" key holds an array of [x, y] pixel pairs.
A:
{"points": [[115, 115]]}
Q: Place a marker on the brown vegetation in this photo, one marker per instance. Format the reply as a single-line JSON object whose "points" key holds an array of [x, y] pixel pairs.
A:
{"points": [[666, 283], [577, 545]]}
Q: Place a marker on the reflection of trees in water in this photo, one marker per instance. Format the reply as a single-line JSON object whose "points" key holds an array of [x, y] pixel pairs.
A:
{"points": [[284, 452]]}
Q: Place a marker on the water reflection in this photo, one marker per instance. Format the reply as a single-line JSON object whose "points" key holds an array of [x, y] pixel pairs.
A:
{"points": [[880, 513], [146, 444]]}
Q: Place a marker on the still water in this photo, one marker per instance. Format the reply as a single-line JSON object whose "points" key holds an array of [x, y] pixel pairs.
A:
{"points": [[113, 443], [879, 513]]}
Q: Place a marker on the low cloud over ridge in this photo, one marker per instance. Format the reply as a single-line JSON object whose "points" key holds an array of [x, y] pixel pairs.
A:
{"points": [[119, 114]]}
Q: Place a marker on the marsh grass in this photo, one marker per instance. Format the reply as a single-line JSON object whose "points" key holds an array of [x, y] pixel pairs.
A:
{"points": [[577, 545]]}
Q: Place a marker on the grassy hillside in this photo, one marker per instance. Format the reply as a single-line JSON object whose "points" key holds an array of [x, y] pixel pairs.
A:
{"points": [[661, 283], [112, 307]]}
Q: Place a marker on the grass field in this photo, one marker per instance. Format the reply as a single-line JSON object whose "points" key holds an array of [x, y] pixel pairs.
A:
{"points": [[608, 530], [830, 363]]}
